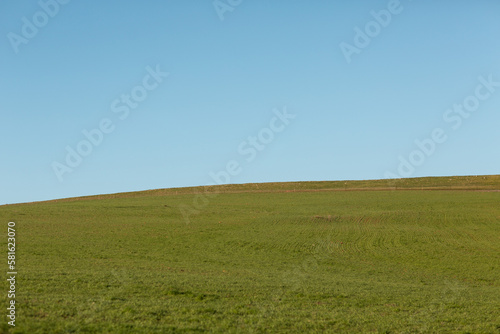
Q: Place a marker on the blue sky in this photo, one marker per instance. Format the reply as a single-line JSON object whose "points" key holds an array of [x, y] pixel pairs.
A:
{"points": [[229, 73]]}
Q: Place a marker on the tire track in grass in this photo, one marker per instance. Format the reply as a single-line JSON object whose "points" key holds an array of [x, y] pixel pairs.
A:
{"points": [[366, 240], [359, 236], [355, 235]]}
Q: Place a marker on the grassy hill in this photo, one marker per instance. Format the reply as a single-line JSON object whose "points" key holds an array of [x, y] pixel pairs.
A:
{"points": [[274, 257], [479, 182]]}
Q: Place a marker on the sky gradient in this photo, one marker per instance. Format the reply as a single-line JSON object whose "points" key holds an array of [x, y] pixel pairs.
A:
{"points": [[235, 68]]}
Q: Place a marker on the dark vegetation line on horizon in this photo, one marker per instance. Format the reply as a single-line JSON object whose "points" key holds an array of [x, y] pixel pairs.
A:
{"points": [[474, 182]]}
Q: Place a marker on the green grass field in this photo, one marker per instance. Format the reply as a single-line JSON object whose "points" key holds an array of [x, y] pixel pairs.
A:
{"points": [[295, 257]]}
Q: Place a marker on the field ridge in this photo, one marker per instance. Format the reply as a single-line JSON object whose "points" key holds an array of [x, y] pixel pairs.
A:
{"points": [[465, 183]]}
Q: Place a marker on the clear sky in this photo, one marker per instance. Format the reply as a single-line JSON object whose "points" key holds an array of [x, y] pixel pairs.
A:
{"points": [[355, 84]]}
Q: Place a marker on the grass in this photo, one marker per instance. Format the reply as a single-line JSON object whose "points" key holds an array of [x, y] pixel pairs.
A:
{"points": [[261, 260]]}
